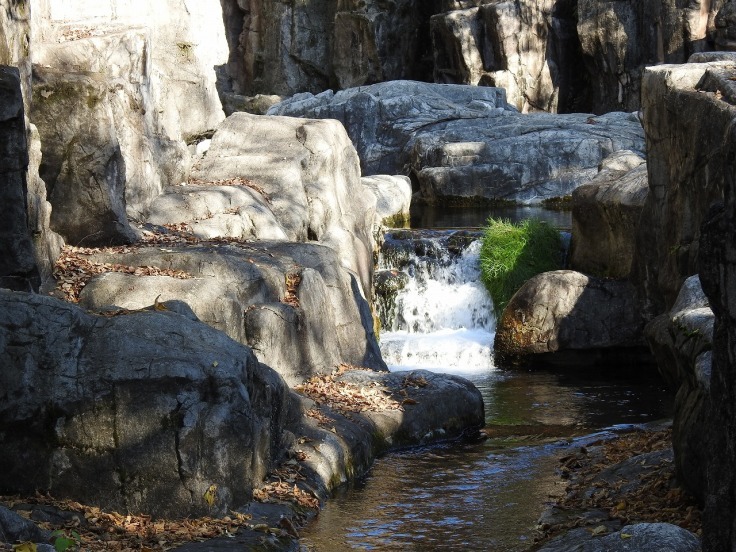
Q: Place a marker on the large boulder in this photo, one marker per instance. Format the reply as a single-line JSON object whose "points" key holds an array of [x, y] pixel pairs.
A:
{"points": [[293, 179], [566, 311], [154, 154], [681, 341], [685, 177], [620, 39], [153, 407], [605, 217], [18, 268], [294, 304], [393, 198], [464, 144]]}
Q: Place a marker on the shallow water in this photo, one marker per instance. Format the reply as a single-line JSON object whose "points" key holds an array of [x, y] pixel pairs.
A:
{"points": [[483, 496]]}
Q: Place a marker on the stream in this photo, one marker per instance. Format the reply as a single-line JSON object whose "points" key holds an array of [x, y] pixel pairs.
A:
{"points": [[480, 496]]}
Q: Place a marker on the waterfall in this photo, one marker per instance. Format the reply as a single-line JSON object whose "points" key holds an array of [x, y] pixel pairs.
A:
{"points": [[435, 311]]}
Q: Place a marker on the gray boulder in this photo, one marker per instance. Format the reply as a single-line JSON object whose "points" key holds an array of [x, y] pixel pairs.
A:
{"points": [[663, 537], [153, 407], [278, 178], [240, 289], [18, 269], [15, 529], [605, 217], [684, 174], [569, 311], [464, 144], [393, 198]]}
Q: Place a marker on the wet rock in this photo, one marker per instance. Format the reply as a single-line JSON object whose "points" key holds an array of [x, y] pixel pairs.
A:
{"points": [[387, 284], [240, 289], [631, 538], [569, 311], [151, 406], [434, 408], [605, 217], [464, 145]]}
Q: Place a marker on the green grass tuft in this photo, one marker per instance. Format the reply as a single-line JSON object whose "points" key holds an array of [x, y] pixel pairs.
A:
{"points": [[513, 253]]}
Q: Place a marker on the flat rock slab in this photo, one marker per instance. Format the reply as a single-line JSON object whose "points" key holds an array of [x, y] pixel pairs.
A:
{"points": [[465, 144]]}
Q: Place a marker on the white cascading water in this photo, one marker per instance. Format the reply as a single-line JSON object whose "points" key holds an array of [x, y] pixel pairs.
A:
{"points": [[444, 317]]}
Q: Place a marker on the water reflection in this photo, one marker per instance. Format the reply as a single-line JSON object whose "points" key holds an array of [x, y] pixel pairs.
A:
{"points": [[484, 496], [476, 217]]}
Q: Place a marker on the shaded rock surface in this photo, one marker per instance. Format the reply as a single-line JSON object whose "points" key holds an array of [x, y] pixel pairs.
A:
{"points": [[18, 269], [567, 310], [82, 166], [716, 425], [620, 39], [605, 217], [681, 342], [14, 528], [240, 289], [152, 406], [463, 144]]}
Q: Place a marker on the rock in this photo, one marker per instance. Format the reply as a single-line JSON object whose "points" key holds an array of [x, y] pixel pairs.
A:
{"points": [[304, 183], [153, 158], [620, 39], [240, 289], [568, 311], [463, 145], [631, 538], [605, 217], [393, 198], [377, 41], [715, 427], [382, 118], [436, 407], [725, 27], [82, 165], [527, 48], [18, 269], [183, 43], [153, 407], [14, 528], [684, 175], [15, 31]]}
